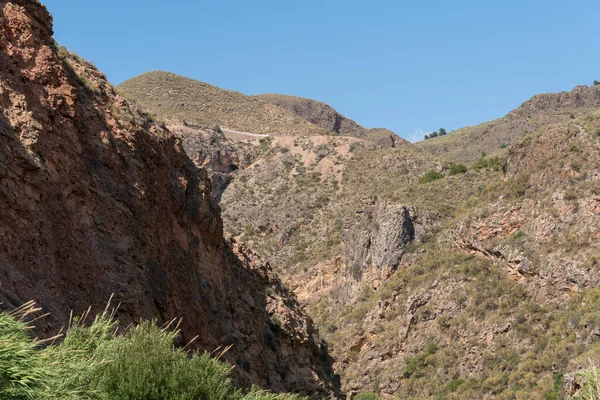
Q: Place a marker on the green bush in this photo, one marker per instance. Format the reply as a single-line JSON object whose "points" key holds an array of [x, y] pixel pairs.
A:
{"points": [[431, 176], [455, 383], [22, 372], [589, 381], [486, 162], [93, 362], [431, 347], [456, 169]]}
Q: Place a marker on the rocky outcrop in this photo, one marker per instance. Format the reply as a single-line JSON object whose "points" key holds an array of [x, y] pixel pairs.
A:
{"points": [[378, 237], [331, 121], [97, 200], [316, 112], [581, 97], [385, 138], [541, 112], [210, 149]]}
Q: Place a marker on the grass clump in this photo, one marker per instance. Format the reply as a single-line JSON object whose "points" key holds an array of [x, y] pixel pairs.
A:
{"points": [[94, 362], [430, 176], [485, 162], [456, 169]]}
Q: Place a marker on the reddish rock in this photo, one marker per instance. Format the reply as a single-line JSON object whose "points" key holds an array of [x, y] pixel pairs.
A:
{"points": [[95, 199]]}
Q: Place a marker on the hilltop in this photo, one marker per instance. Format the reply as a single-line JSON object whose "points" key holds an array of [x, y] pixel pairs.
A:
{"points": [[176, 98], [467, 144], [330, 120]]}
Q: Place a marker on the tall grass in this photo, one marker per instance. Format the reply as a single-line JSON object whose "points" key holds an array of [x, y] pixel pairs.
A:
{"points": [[93, 362]]}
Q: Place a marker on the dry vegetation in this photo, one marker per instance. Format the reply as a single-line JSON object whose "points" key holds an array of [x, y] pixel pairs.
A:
{"points": [[173, 97], [467, 144]]}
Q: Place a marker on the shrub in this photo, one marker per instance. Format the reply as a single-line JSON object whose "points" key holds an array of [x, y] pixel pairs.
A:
{"points": [[93, 362], [487, 163], [366, 396], [21, 370], [503, 146], [456, 169], [431, 176], [431, 347], [454, 384], [596, 83]]}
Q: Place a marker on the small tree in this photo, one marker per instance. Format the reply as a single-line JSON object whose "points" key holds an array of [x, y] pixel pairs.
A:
{"points": [[442, 132], [596, 83]]}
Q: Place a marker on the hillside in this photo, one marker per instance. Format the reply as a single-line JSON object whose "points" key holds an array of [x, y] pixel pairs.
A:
{"points": [[176, 98], [317, 113], [326, 117], [466, 144], [435, 287], [351, 265], [98, 200]]}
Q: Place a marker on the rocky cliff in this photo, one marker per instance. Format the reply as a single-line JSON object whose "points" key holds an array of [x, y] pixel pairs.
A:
{"points": [[326, 117], [96, 199]]}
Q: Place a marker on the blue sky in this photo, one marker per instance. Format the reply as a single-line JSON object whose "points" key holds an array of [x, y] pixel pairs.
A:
{"points": [[409, 66]]}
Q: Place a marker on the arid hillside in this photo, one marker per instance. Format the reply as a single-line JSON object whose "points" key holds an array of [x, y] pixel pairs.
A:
{"points": [[467, 144], [464, 266], [432, 279], [176, 98], [96, 199]]}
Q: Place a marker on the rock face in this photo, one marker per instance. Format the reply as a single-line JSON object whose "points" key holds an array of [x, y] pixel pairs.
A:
{"points": [[330, 120], [581, 97], [210, 149], [317, 113], [378, 237], [95, 199]]}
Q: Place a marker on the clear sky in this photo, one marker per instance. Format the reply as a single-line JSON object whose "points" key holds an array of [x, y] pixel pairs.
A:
{"points": [[409, 66]]}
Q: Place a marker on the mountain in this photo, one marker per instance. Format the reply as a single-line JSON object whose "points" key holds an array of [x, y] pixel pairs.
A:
{"points": [[426, 278], [176, 98], [96, 199], [467, 144], [431, 270], [326, 117]]}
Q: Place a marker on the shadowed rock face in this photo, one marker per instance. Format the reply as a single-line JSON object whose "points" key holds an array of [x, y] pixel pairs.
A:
{"points": [[96, 200]]}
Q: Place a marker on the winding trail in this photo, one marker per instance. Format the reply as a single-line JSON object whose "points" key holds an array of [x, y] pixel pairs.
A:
{"points": [[244, 133]]}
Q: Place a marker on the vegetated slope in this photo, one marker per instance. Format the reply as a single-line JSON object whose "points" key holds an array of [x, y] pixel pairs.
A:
{"points": [[173, 97], [97, 200], [466, 144], [451, 283], [330, 120], [144, 363], [504, 293]]}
